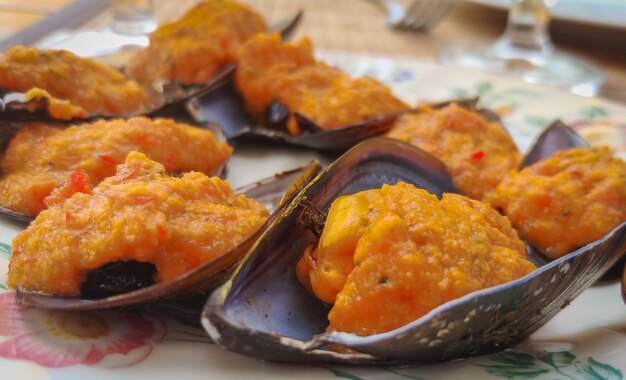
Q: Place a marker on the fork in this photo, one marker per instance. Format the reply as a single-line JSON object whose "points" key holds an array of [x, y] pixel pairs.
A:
{"points": [[417, 14]]}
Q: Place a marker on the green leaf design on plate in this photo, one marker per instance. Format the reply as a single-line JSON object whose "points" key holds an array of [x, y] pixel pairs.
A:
{"points": [[513, 364], [516, 358], [536, 121], [483, 87], [511, 372], [5, 249], [3, 287], [459, 92], [557, 359], [560, 365], [594, 112], [592, 369], [490, 97]]}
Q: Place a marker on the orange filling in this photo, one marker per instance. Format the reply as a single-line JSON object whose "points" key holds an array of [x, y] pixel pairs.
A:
{"points": [[192, 49], [477, 153], [139, 214], [567, 201], [57, 108], [387, 257], [41, 158], [269, 71], [85, 83]]}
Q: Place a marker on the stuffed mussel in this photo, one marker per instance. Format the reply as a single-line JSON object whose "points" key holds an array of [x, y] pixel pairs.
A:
{"points": [[65, 86], [143, 236], [43, 161], [198, 53], [565, 195], [473, 143], [282, 93], [264, 311], [183, 60], [565, 204], [566, 200]]}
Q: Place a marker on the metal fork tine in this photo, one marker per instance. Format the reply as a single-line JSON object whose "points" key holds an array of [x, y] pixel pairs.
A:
{"points": [[419, 15]]}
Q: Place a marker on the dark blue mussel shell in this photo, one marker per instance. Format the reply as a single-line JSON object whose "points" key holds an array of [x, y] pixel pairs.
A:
{"points": [[225, 107], [263, 311]]}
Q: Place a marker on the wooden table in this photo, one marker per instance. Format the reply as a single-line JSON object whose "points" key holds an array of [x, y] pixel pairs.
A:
{"points": [[359, 25]]}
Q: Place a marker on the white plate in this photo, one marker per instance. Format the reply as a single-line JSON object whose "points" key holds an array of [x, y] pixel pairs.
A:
{"points": [[601, 13], [587, 340]]}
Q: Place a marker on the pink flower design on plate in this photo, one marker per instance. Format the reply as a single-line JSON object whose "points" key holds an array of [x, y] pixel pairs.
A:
{"points": [[61, 338]]}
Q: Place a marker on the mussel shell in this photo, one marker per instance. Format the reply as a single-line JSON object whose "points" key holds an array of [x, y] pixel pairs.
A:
{"points": [[559, 136], [225, 107], [624, 285], [263, 311], [275, 192], [16, 216], [287, 26], [167, 96], [19, 109]]}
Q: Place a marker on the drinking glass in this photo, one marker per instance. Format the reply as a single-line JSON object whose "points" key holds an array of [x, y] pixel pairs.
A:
{"points": [[526, 51], [132, 17]]}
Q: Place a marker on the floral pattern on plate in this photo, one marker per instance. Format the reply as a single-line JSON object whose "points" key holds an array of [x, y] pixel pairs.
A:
{"points": [[585, 341], [512, 364], [57, 339]]}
